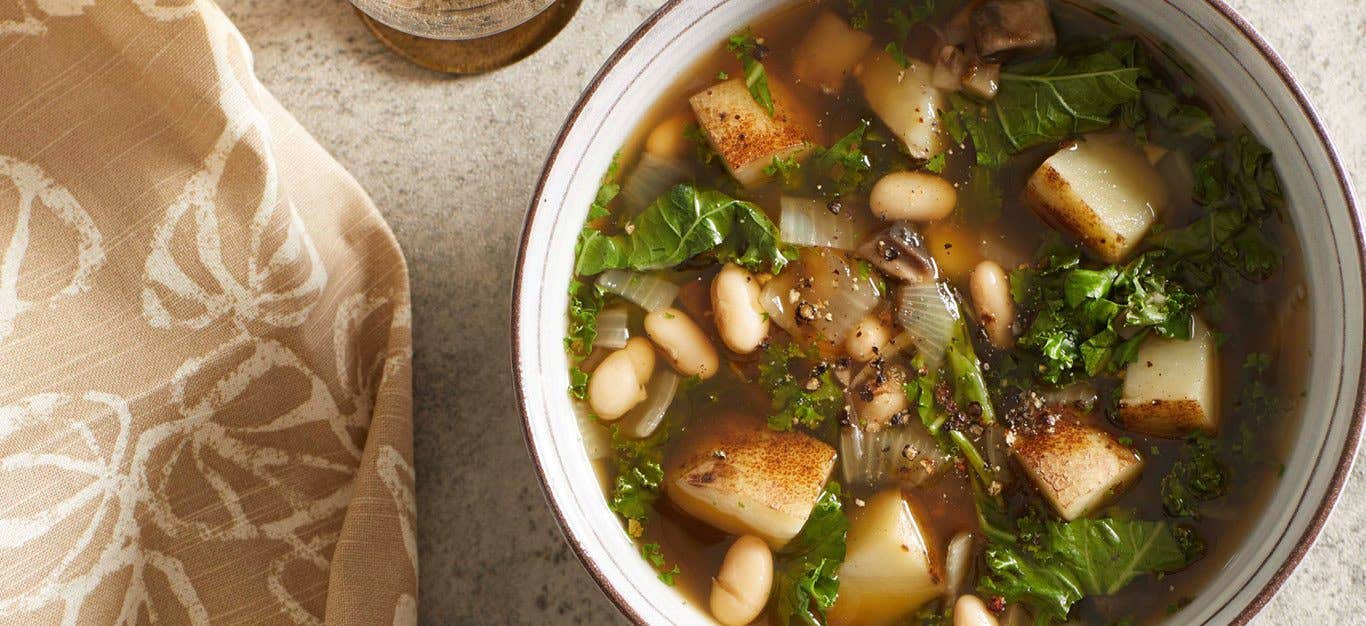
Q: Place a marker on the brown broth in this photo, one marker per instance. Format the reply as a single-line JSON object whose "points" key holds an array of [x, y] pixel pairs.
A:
{"points": [[944, 504]]}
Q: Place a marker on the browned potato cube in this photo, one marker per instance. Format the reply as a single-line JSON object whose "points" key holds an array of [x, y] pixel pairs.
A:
{"points": [[1172, 388], [829, 51], [742, 132], [742, 477], [1078, 468]]}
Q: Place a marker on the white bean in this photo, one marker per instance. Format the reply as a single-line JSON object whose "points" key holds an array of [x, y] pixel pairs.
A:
{"points": [[667, 139], [970, 611], [914, 196], [991, 299], [740, 590], [740, 319], [684, 344], [869, 339], [887, 399], [616, 386], [642, 354]]}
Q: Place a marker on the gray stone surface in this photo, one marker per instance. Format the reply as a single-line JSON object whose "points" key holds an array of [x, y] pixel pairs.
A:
{"points": [[451, 162]]}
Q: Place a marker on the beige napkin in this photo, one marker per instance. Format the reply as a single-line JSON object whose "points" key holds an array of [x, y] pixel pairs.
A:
{"points": [[205, 372]]}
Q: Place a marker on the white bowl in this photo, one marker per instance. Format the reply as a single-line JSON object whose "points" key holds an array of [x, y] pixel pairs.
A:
{"points": [[1205, 32]]}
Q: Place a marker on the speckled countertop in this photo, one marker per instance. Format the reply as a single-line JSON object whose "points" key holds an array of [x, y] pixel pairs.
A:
{"points": [[451, 162]]}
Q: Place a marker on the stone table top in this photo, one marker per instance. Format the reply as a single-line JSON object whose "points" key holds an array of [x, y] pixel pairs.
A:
{"points": [[451, 163]]}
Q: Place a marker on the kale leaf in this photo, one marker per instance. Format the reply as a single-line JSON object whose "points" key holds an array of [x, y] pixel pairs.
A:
{"points": [[1049, 565], [682, 223], [1196, 477], [1045, 101], [750, 52], [639, 475], [1091, 321], [807, 400], [654, 555], [845, 163], [806, 579], [585, 302]]}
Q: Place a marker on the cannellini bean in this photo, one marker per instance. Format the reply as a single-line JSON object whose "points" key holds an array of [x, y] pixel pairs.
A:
{"points": [[740, 319], [642, 354], [914, 196], [667, 140], [869, 339], [740, 590], [969, 610], [616, 385], [684, 344], [876, 404], [991, 298]]}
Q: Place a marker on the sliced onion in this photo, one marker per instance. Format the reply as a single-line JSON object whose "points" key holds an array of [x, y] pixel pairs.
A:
{"points": [[958, 560], [905, 454], [807, 222], [597, 440], [997, 452], [928, 312], [841, 294], [612, 330], [1080, 393], [650, 179], [650, 292], [778, 301], [642, 421]]}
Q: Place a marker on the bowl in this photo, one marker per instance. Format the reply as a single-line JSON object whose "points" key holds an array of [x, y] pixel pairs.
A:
{"points": [[1207, 33]]}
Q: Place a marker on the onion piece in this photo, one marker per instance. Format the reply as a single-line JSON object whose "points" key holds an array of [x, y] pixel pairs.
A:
{"points": [[841, 292], [807, 222], [928, 312], [948, 68], [651, 178], [958, 559], [905, 454], [650, 292], [612, 330], [597, 440], [777, 301], [642, 421]]}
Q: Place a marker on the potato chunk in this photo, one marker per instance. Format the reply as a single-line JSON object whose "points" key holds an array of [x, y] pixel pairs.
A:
{"points": [[828, 52], [905, 100], [888, 571], [742, 132], [742, 477], [1172, 388], [1078, 468], [1101, 190]]}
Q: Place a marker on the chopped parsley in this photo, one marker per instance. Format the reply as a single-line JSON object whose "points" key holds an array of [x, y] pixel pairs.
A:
{"points": [[845, 164], [654, 555], [639, 475], [785, 169]]}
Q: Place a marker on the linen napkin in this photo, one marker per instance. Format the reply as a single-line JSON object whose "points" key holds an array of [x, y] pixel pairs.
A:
{"points": [[205, 347]]}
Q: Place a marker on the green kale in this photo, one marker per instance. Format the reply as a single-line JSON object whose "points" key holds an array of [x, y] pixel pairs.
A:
{"points": [[806, 578], [639, 475], [1229, 245], [806, 400], [682, 223], [845, 163], [701, 145], [1045, 102], [750, 52], [578, 383], [585, 302], [1091, 321], [785, 169], [1049, 565], [1258, 405], [920, 394], [654, 555], [903, 15], [1196, 477]]}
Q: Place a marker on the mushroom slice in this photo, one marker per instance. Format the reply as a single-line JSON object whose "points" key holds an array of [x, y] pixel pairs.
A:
{"points": [[1005, 28], [900, 253]]}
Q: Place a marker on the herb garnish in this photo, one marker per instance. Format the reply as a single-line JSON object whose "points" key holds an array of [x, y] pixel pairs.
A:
{"points": [[845, 163], [750, 52], [654, 555], [806, 579], [806, 400], [639, 476]]}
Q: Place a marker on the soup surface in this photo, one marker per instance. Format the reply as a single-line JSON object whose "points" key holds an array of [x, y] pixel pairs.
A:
{"points": [[925, 312]]}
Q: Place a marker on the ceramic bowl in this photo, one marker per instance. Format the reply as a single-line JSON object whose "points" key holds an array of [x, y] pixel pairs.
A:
{"points": [[1205, 32]]}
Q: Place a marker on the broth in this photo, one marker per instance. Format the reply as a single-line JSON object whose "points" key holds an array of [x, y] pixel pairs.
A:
{"points": [[1259, 323]]}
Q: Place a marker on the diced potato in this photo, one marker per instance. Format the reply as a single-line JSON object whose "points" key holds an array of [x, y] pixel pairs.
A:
{"points": [[829, 51], [1172, 389], [742, 132], [742, 477], [905, 101], [888, 571], [1101, 190], [1078, 468]]}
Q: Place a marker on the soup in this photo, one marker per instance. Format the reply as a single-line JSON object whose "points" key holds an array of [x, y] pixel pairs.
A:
{"points": [[937, 313]]}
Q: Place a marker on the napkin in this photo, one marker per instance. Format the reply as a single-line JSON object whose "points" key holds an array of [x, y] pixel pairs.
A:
{"points": [[205, 343]]}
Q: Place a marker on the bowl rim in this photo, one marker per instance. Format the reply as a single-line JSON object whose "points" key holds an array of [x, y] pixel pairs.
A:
{"points": [[1353, 434]]}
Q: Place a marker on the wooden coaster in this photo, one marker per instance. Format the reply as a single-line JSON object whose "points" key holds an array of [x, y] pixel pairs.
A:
{"points": [[476, 56]]}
